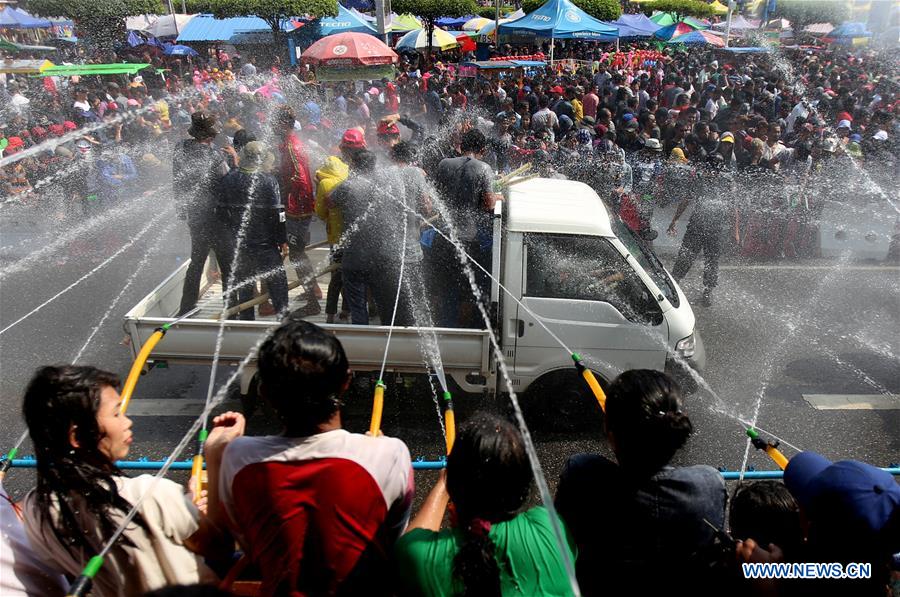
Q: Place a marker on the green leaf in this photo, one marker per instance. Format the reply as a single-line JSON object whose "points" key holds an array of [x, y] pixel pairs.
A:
{"points": [[680, 8]]}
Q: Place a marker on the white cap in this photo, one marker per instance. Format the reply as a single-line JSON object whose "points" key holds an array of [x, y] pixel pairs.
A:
{"points": [[844, 124]]}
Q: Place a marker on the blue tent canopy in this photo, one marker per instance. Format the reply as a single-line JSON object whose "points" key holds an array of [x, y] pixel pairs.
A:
{"points": [[179, 50], [560, 19], [347, 21], [453, 22], [206, 28], [635, 26], [13, 17]]}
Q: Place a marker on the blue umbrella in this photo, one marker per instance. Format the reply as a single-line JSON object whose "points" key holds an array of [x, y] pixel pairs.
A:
{"points": [[134, 39], [561, 19], [179, 50], [453, 22]]}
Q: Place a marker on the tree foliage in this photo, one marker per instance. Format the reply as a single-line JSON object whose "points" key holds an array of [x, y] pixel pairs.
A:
{"points": [[429, 11], [802, 13], [100, 23], [605, 10], [680, 8], [273, 12]]}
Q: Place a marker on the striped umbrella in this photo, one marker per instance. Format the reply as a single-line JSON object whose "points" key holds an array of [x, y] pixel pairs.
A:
{"points": [[476, 23], [418, 40], [698, 38]]}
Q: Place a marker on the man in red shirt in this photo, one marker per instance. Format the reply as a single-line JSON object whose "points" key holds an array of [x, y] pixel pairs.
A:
{"points": [[591, 100], [317, 509], [298, 198]]}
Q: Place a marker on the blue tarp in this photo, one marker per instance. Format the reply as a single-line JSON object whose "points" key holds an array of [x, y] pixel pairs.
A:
{"points": [[453, 22], [346, 22], [208, 28], [561, 19], [849, 31], [635, 26], [19, 19]]}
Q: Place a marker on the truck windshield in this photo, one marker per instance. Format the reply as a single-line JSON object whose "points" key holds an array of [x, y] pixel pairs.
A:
{"points": [[648, 260], [587, 268]]}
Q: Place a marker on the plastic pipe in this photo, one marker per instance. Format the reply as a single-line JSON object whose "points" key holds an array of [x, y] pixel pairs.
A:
{"points": [[588, 376], [449, 422], [768, 447], [377, 409], [82, 584], [138, 365], [419, 465]]}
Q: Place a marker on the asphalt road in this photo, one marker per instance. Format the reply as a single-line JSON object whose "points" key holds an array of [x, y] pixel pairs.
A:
{"points": [[777, 332]]}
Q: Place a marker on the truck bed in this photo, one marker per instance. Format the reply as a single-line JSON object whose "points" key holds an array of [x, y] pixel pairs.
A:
{"points": [[193, 340]]}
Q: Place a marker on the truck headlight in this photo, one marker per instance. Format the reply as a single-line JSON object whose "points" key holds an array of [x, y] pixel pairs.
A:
{"points": [[685, 347]]}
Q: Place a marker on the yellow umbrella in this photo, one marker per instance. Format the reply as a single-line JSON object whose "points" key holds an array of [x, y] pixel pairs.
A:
{"points": [[418, 40], [718, 7], [476, 24]]}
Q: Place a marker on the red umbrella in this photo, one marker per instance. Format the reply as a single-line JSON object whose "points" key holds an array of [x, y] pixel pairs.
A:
{"points": [[466, 43], [349, 49]]}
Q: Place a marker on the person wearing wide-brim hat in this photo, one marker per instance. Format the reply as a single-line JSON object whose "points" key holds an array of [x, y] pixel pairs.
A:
{"points": [[249, 207], [203, 126]]}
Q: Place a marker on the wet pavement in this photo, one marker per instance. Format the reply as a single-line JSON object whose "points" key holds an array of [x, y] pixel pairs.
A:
{"points": [[776, 335]]}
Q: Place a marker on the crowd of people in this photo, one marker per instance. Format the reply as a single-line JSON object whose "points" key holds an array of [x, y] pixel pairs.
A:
{"points": [[317, 510]]}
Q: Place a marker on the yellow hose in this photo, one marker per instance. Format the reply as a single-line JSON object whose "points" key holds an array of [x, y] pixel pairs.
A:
{"points": [[138, 366], [377, 409], [599, 394], [197, 476], [450, 424], [776, 455]]}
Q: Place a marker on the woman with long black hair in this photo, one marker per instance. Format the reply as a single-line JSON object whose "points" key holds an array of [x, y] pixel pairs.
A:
{"points": [[641, 524], [493, 547], [78, 431]]}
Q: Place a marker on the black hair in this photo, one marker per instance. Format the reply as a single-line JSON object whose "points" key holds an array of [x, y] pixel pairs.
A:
{"points": [[189, 591], [302, 374], [766, 512], [405, 152], [643, 412], [489, 480], [473, 141], [59, 400], [362, 160], [241, 138]]}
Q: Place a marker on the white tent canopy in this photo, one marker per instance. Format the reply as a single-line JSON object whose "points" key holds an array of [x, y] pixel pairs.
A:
{"points": [[168, 25], [738, 23], [139, 22]]}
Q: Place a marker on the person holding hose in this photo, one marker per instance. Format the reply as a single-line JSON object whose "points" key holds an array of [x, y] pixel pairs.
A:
{"points": [[493, 547], [75, 422]]}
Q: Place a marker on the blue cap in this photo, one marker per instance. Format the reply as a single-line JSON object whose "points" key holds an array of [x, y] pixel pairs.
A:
{"points": [[527, 89], [627, 116], [847, 490], [856, 138]]}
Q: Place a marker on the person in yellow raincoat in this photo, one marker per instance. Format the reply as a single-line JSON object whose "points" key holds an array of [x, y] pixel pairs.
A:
{"points": [[332, 173]]}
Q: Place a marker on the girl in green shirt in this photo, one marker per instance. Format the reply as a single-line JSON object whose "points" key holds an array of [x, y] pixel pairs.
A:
{"points": [[492, 547]]}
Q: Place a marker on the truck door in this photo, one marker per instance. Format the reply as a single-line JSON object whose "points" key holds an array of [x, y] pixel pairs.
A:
{"points": [[587, 294]]}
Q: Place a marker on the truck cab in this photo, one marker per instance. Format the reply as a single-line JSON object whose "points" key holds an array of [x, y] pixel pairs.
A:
{"points": [[576, 273]]}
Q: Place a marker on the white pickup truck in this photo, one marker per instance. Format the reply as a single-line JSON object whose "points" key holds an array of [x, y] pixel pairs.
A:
{"points": [[566, 266]]}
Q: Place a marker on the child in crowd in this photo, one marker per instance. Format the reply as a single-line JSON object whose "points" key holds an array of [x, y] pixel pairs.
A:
{"points": [[79, 432], [493, 547], [316, 508]]}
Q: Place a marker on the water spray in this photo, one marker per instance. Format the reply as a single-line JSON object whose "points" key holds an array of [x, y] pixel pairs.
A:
{"points": [[378, 399]]}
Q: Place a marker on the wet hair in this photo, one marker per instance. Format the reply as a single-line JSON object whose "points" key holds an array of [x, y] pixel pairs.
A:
{"points": [[241, 138], [489, 480], [643, 411], [766, 512], [284, 116], [302, 373], [60, 400], [362, 160], [473, 141], [405, 152]]}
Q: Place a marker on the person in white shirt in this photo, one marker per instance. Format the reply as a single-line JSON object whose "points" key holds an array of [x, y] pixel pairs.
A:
{"points": [[78, 430]]}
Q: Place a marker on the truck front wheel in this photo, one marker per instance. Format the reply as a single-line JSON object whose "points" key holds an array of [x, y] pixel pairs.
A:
{"points": [[562, 401]]}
